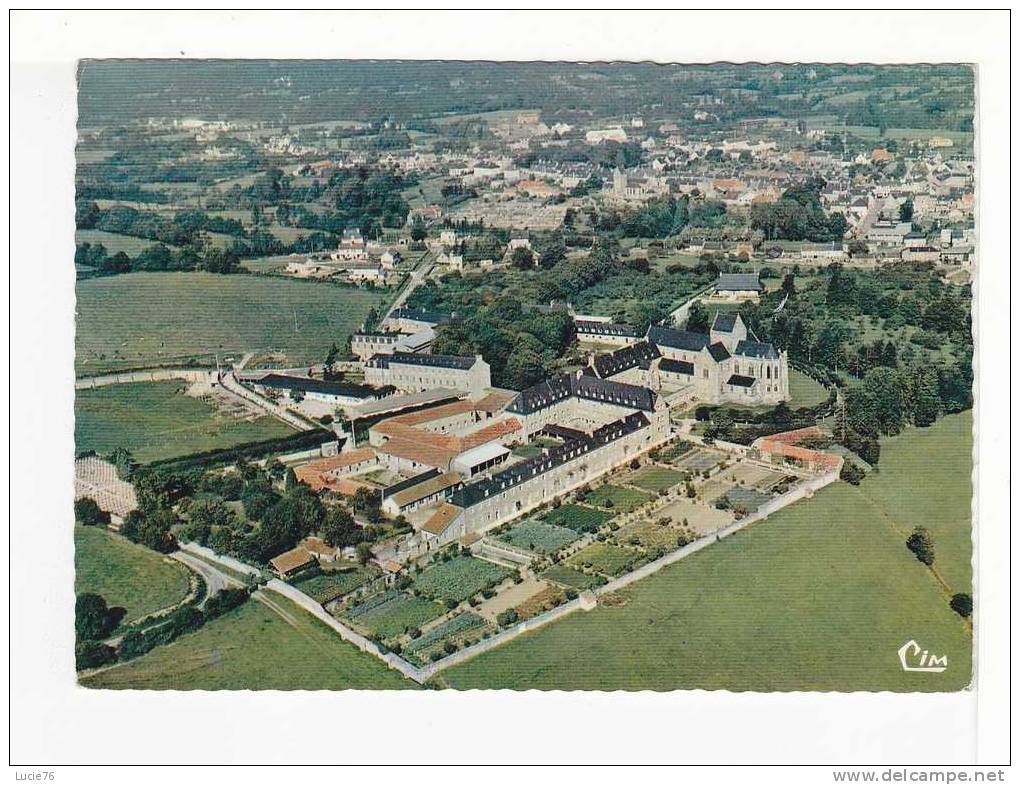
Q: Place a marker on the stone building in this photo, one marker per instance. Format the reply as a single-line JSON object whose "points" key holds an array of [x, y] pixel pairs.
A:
{"points": [[416, 372]]}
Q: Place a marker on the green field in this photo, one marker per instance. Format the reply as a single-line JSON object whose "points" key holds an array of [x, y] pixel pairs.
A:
{"points": [[538, 536], [459, 578], [327, 586], [143, 319], [156, 420], [400, 614], [114, 243], [819, 596], [580, 519], [605, 559], [127, 575], [255, 648], [655, 478], [805, 391], [569, 577], [623, 499]]}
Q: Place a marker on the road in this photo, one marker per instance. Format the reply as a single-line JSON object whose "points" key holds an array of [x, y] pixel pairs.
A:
{"points": [[418, 277], [214, 579]]}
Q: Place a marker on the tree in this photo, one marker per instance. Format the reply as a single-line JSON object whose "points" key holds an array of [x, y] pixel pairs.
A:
{"points": [[522, 258], [697, 318], [851, 473], [92, 654], [789, 286], [907, 211], [93, 620], [339, 529], [920, 543], [364, 551], [88, 513], [963, 604]]}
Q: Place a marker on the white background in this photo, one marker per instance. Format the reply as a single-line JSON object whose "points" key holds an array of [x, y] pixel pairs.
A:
{"points": [[55, 722]]}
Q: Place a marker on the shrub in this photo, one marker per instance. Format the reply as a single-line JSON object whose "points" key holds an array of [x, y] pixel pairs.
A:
{"points": [[921, 545], [224, 600], [851, 473], [963, 604], [87, 513], [93, 654], [507, 618]]}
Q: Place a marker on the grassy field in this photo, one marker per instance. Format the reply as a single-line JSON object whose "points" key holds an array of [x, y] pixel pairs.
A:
{"points": [[127, 575], [148, 318], [539, 537], [156, 420], [605, 559], [114, 243], [623, 499], [655, 478], [578, 518], [820, 596], [255, 647], [805, 391]]}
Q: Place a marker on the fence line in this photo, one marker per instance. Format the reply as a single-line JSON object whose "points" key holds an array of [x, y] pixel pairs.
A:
{"points": [[155, 375]]}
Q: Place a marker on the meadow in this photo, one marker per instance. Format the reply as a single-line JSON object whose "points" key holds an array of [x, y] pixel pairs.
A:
{"points": [[127, 575], [255, 647], [156, 420], [146, 319], [805, 391], [819, 596]]}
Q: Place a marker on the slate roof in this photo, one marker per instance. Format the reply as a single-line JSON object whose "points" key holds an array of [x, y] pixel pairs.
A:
{"points": [[559, 388], [605, 328], [676, 366], [281, 381], [638, 354], [765, 351], [553, 457], [421, 315], [677, 339], [718, 352], [738, 282], [429, 360], [741, 381], [724, 322]]}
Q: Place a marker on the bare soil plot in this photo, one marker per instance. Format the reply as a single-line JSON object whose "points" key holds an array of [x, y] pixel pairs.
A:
{"points": [[545, 600], [699, 461], [511, 597], [701, 518]]}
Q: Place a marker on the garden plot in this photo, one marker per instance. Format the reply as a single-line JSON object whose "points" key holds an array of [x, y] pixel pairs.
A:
{"points": [[459, 578], [653, 535], [328, 586], [539, 537], [655, 478], [511, 597], [616, 498], [701, 518], [578, 518], [397, 614], [571, 578], [463, 629], [752, 475], [605, 559], [545, 600], [699, 461], [747, 498]]}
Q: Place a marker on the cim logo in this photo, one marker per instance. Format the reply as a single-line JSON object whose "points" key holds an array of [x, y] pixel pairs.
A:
{"points": [[917, 660]]}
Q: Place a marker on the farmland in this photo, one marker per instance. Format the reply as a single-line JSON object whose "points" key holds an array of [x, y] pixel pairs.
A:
{"points": [[127, 575], [539, 537], [717, 620], [328, 586], [578, 518], [654, 478], [143, 319], [255, 647], [398, 614], [157, 420], [607, 560], [114, 243], [617, 498], [459, 578], [571, 578]]}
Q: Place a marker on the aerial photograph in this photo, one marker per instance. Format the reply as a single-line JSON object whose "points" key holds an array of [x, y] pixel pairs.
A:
{"points": [[452, 375]]}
